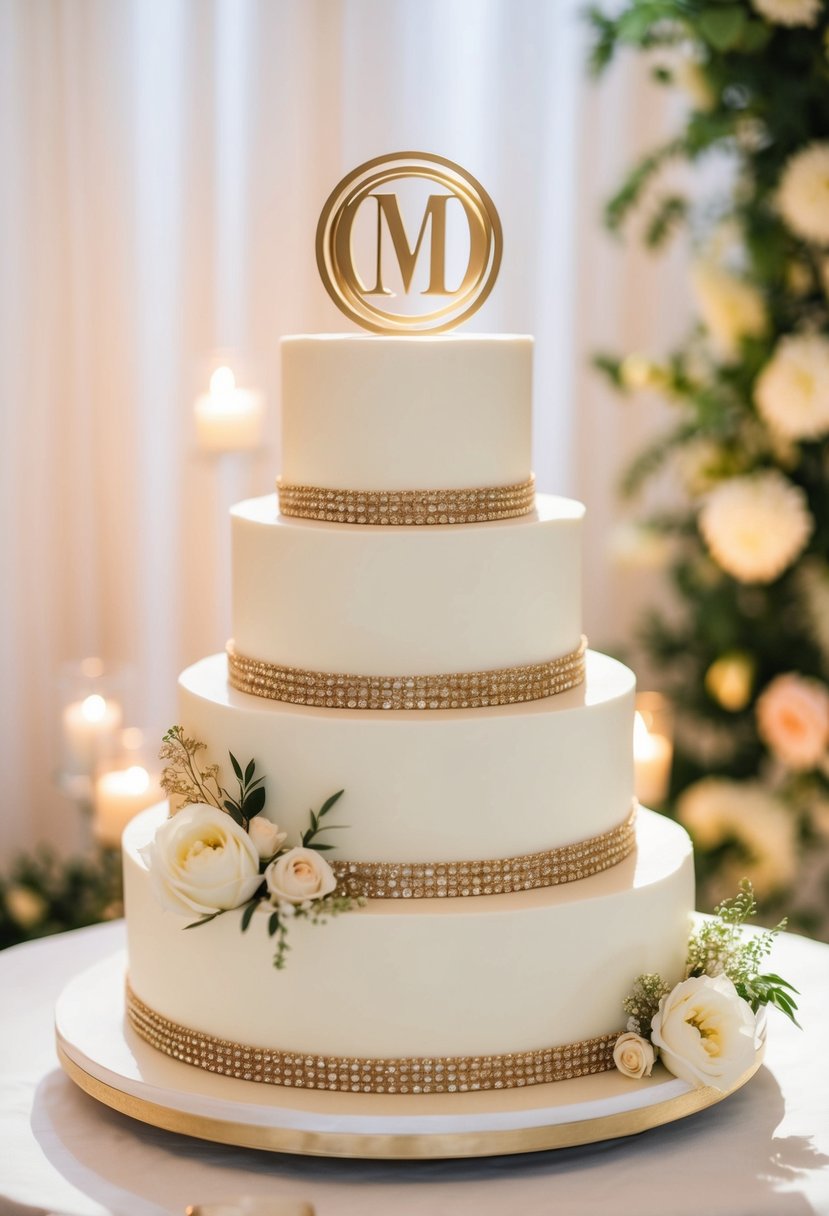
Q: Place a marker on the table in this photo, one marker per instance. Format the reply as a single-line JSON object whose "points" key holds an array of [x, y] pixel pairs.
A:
{"points": [[762, 1152]]}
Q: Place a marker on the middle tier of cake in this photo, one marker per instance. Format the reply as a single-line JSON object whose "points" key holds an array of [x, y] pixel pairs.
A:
{"points": [[440, 786], [363, 600]]}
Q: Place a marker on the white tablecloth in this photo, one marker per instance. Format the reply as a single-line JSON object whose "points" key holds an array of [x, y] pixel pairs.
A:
{"points": [[765, 1150]]}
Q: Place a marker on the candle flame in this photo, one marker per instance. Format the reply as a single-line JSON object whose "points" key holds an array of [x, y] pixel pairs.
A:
{"points": [[642, 741], [94, 708], [222, 382]]}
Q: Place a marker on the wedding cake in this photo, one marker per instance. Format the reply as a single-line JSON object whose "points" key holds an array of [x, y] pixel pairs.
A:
{"points": [[407, 628]]}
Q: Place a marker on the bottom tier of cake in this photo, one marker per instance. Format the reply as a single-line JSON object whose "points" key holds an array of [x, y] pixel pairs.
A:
{"points": [[421, 978]]}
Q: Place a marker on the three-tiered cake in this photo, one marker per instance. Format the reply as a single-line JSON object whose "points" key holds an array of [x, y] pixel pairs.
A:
{"points": [[409, 629]]}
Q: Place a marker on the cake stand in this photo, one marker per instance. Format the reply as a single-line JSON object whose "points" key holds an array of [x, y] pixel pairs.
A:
{"points": [[104, 1056]]}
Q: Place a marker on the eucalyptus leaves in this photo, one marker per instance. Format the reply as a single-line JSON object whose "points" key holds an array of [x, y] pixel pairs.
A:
{"points": [[216, 853]]}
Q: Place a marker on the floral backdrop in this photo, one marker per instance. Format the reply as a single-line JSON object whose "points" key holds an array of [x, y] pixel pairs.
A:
{"points": [[743, 517]]}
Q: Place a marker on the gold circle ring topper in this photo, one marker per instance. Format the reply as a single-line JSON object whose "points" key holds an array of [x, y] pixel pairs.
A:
{"points": [[391, 284]]}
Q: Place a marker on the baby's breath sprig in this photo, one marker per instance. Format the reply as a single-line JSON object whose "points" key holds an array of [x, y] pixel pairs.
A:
{"points": [[183, 776], [643, 1002]]}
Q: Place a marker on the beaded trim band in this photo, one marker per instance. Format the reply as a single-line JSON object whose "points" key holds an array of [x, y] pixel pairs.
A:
{"points": [[460, 690], [450, 879], [409, 507], [407, 1075]]}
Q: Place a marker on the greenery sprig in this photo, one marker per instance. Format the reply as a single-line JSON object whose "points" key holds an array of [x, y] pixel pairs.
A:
{"points": [[309, 837], [194, 783], [720, 947]]}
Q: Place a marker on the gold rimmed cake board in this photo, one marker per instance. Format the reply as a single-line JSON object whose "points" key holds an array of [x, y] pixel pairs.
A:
{"points": [[111, 1064]]}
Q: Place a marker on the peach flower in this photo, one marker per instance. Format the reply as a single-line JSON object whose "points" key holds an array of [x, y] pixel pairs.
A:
{"points": [[793, 720]]}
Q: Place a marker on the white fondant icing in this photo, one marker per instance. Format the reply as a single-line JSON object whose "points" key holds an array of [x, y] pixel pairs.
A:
{"points": [[420, 978], [403, 413], [406, 601], [437, 786]]}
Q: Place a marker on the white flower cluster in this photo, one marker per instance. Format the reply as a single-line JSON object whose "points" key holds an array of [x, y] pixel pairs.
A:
{"points": [[755, 526], [788, 12], [730, 308], [792, 390], [715, 810], [803, 194], [202, 861], [704, 1031]]}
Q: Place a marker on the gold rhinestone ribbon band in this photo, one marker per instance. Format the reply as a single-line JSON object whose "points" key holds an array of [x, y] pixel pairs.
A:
{"points": [[460, 690], [407, 507], [407, 1075], [451, 879]]}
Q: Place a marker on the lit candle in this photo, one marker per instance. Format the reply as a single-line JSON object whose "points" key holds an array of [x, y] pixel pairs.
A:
{"points": [[119, 796], [228, 419], [89, 728], [652, 755]]}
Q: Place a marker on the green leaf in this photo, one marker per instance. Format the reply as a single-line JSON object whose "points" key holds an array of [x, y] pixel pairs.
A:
{"points": [[253, 803], [754, 37], [778, 980], [329, 802], [273, 923], [249, 771], [235, 812], [248, 913], [205, 919], [237, 768], [722, 26], [320, 848]]}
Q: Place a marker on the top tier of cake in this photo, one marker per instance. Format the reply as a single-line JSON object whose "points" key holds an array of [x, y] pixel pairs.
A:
{"points": [[362, 413]]}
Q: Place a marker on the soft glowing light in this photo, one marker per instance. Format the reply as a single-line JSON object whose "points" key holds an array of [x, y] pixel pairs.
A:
{"points": [[91, 669], [642, 738], [135, 780], [222, 383], [132, 739], [94, 708]]}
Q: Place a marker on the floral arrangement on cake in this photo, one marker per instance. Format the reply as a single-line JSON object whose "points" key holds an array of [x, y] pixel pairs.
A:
{"points": [[217, 853], [704, 1029], [744, 649]]}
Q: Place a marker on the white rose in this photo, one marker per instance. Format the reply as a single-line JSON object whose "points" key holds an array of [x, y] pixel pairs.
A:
{"points": [[266, 836], [803, 194], [705, 1032], [299, 875], [201, 861], [792, 390], [716, 810], [633, 1056], [731, 309], [756, 526], [788, 12]]}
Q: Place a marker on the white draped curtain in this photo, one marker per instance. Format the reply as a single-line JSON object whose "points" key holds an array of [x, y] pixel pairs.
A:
{"points": [[162, 167]]}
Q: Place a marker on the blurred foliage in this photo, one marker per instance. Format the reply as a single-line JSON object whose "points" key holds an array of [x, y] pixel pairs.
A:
{"points": [[759, 94]]}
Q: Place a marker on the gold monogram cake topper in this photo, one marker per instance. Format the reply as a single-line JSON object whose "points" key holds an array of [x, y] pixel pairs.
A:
{"points": [[377, 276]]}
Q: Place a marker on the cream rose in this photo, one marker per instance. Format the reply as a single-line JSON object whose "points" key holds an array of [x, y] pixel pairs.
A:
{"points": [[705, 1032], [201, 861], [298, 875], [633, 1055], [266, 836], [793, 720]]}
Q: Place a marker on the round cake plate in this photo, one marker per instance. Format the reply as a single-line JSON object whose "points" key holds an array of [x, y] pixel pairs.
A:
{"points": [[105, 1057]]}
